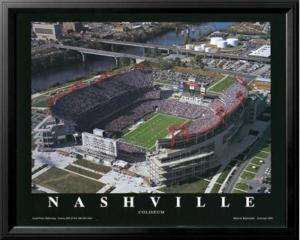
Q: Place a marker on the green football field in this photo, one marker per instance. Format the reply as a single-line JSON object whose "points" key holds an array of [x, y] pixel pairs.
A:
{"points": [[222, 85], [155, 128]]}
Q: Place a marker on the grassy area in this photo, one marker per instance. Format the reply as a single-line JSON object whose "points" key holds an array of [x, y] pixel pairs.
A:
{"points": [[262, 154], [222, 84], [62, 181], [223, 176], [257, 161], [252, 168], [41, 101], [242, 186], [155, 128], [92, 166], [84, 172], [215, 188], [247, 175], [198, 186], [267, 149]]}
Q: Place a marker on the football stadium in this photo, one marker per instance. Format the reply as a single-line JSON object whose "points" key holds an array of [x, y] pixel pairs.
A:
{"points": [[181, 133]]}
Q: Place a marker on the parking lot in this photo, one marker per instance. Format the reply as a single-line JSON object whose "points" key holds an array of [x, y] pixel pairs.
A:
{"points": [[241, 66], [256, 176]]}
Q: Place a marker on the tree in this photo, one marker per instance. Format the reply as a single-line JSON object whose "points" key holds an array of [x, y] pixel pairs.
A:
{"points": [[164, 65], [198, 58], [155, 52], [124, 62], [186, 39], [198, 61], [177, 61]]}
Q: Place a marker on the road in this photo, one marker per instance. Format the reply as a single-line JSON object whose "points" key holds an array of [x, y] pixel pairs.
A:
{"points": [[235, 177], [181, 49], [238, 172]]}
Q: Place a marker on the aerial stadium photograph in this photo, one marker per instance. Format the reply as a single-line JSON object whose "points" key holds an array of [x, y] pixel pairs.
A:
{"points": [[151, 107]]}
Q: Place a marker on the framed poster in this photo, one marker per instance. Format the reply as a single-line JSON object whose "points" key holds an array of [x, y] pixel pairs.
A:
{"points": [[130, 120]]}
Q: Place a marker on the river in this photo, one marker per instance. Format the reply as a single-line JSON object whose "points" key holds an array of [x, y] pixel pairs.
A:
{"points": [[48, 78]]}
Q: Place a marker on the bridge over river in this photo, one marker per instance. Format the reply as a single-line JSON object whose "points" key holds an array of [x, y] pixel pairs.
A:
{"points": [[98, 52], [169, 49]]}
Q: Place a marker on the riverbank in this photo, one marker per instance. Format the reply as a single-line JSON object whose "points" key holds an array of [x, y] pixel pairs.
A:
{"points": [[67, 69], [52, 58]]}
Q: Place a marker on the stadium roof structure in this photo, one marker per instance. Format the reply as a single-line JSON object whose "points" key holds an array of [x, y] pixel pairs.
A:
{"points": [[89, 103]]}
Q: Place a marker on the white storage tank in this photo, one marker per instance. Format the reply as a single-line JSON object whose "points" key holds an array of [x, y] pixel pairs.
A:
{"points": [[198, 48], [214, 40], [189, 46], [207, 49], [232, 42], [222, 44]]}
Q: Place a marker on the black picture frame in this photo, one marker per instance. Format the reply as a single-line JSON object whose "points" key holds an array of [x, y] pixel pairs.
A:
{"points": [[8, 106]]}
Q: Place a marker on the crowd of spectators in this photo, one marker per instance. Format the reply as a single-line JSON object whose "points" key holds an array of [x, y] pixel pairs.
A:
{"points": [[107, 94], [228, 102], [123, 100], [130, 152], [231, 97], [181, 109], [132, 116]]}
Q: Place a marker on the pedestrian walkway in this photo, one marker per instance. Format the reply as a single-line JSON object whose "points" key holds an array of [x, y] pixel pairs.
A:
{"points": [[226, 179], [40, 172], [214, 179]]}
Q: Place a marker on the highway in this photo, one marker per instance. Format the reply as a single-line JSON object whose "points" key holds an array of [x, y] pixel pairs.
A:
{"points": [[135, 44], [183, 50]]}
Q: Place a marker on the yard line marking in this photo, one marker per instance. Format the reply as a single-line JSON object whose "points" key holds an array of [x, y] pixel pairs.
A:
{"points": [[156, 115], [138, 135]]}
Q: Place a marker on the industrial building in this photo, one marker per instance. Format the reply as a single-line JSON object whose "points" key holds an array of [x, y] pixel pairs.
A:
{"points": [[72, 27], [53, 132], [47, 31]]}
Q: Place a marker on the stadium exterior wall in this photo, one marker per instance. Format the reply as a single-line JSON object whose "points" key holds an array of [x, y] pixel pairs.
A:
{"points": [[172, 166]]}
